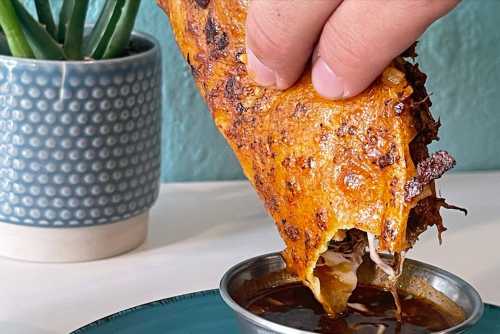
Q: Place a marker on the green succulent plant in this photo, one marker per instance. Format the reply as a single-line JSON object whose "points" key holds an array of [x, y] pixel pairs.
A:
{"points": [[22, 35]]}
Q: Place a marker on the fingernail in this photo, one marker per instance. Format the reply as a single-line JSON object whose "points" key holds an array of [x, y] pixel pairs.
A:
{"points": [[326, 82], [262, 74]]}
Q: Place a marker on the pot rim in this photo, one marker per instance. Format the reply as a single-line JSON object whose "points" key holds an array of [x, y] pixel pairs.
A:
{"points": [[135, 34], [476, 301]]}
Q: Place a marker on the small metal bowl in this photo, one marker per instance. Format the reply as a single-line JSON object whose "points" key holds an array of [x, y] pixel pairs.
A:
{"points": [[246, 279]]}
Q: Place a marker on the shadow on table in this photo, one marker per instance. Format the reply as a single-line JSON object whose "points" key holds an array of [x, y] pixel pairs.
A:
{"points": [[17, 328], [185, 212]]}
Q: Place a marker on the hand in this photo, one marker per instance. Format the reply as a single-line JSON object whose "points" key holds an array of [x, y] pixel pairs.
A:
{"points": [[350, 41]]}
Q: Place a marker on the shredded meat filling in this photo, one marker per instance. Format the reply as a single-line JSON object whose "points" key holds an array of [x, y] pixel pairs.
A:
{"points": [[336, 269], [427, 171]]}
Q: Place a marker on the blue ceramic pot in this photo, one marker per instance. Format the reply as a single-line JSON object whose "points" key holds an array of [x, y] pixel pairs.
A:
{"points": [[79, 145]]}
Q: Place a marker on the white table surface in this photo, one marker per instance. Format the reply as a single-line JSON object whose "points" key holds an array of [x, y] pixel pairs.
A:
{"points": [[198, 230]]}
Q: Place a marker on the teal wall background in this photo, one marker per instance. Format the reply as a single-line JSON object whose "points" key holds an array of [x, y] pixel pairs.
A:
{"points": [[460, 53]]}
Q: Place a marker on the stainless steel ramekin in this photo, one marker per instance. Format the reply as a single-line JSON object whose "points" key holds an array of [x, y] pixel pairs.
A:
{"points": [[247, 278]]}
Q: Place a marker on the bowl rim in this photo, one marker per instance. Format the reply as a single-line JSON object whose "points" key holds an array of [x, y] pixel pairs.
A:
{"points": [[155, 48], [476, 301]]}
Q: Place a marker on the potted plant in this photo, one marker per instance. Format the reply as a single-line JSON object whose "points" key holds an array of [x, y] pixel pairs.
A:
{"points": [[79, 131]]}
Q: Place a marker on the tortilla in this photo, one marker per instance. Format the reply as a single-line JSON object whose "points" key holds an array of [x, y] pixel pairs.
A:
{"points": [[322, 167]]}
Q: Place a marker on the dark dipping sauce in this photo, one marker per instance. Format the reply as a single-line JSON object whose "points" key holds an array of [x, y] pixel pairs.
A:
{"points": [[294, 305]]}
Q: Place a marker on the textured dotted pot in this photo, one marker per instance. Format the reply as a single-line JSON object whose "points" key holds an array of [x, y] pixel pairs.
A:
{"points": [[79, 154]]}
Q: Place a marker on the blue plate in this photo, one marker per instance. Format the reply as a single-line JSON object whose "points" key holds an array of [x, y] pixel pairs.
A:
{"points": [[205, 312]]}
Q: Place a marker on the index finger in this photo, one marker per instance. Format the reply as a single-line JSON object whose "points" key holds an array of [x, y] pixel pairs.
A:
{"points": [[281, 36]]}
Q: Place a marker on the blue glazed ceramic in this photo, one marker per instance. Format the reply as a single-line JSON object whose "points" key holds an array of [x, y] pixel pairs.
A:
{"points": [[80, 141], [205, 312]]}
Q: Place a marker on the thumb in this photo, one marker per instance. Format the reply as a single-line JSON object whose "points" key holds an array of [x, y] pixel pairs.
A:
{"points": [[281, 36], [362, 37]]}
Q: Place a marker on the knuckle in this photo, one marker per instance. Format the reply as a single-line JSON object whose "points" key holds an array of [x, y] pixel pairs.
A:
{"points": [[268, 37], [433, 9], [345, 49]]}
